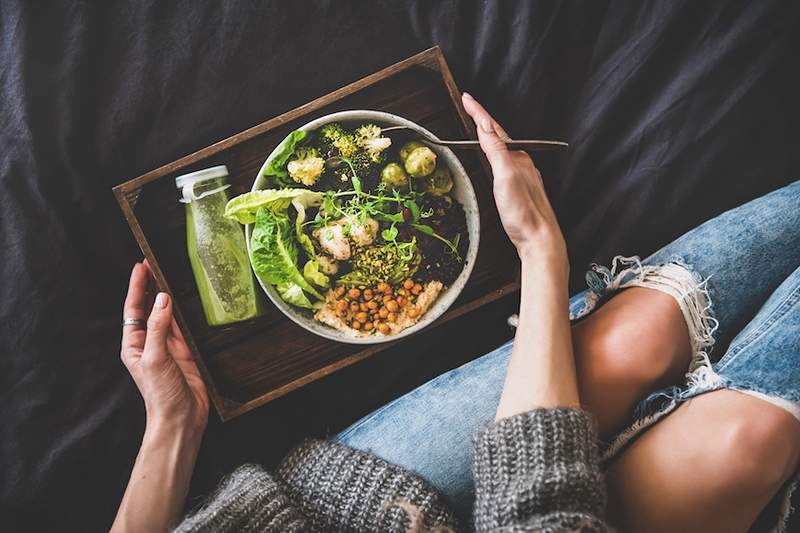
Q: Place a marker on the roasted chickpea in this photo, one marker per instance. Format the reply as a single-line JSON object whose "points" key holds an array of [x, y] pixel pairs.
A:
{"points": [[372, 305], [368, 294], [368, 326], [383, 313], [363, 306], [392, 318], [401, 301], [417, 289], [354, 293], [361, 317], [412, 312], [387, 289], [391, 305], [384, 328], [339, 291], [356, 324], [407, 284], [354, 307], [381, 287]]}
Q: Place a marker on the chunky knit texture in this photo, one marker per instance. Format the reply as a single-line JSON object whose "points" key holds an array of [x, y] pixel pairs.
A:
{"points": [[536, 471]]}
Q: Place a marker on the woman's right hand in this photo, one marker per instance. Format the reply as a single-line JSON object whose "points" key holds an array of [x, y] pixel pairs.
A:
{"points": [[519, 193]]}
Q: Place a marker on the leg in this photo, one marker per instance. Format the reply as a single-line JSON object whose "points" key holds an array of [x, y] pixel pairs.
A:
{"points": [[429, 429], [637, 342], [633, 344], [720, 457], [712, 465]]}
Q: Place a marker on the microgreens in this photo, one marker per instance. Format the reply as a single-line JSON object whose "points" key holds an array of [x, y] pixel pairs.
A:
{"points": [[380, 204]]}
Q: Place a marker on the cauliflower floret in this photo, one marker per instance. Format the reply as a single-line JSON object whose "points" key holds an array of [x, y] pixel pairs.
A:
{"points": [[333, 241], [306, 167], [368, 137], [363, 233]]}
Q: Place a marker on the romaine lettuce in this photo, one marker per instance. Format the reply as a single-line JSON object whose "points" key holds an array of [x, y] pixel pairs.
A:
{"points": [[244, 207], [273, 254], [276, 164]]}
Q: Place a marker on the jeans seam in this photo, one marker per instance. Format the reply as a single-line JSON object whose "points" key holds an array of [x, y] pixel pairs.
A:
{"points": [[762, 329]]}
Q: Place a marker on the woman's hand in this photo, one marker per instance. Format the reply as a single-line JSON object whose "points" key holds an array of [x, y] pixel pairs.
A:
{"points": [[176, 401], [541, 372], [519, 193], [159, 360]]}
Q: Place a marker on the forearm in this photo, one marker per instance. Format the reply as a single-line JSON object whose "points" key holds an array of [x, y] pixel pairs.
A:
{"points": [[159, 482], [541, 372]]}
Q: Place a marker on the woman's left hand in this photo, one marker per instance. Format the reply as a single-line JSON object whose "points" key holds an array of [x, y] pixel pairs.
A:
{"points": [[176, 401], [159, 360]]}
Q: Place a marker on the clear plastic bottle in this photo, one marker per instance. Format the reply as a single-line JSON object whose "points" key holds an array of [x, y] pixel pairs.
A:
{"points": [[217, 249]]}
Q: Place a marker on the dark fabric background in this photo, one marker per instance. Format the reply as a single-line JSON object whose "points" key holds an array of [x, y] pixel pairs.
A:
{"points": [[675, 110]]}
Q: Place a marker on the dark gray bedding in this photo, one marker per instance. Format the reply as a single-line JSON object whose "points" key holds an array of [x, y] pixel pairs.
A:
{"points": [[675, 110]]}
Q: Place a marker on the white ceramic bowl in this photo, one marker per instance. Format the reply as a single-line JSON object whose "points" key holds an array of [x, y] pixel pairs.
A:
{"points": [[462, 192]]}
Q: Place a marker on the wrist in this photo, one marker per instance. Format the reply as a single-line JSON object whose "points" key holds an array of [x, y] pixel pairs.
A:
{"points": [[174, 429], [541, 262]]}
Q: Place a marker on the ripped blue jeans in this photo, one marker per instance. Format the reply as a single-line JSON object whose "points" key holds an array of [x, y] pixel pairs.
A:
{"points": [[736, 279]]}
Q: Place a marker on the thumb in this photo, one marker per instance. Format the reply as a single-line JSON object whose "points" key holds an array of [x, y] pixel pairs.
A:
{"points": [[490, 134], [158, 327]]}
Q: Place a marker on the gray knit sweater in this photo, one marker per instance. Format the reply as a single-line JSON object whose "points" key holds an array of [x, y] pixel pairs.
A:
{"points": [[536, 471]]}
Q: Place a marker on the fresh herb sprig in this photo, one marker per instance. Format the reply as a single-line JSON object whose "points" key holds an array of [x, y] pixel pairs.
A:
{"points": [[379, 205]]}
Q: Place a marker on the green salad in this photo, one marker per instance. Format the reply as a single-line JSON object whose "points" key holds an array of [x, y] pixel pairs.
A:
{"points": [[357, 226]]}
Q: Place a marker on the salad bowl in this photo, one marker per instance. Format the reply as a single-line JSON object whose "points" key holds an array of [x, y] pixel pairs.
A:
{"points": [[462, 192]]}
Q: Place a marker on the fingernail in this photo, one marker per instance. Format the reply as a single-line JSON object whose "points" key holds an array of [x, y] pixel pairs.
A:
{"points": [[467, 96], [161, 300], [487, 126]]}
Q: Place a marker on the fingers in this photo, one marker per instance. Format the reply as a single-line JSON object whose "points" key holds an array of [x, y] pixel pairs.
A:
{"points": [[137, 288], [490, 134], [158, 328], [134, 307]]}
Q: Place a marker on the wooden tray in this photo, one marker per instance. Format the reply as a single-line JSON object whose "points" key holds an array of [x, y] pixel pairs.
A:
{"points": [[248, 364]]}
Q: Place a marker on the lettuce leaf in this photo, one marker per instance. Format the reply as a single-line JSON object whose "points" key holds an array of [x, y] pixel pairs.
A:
{"points": [[244, 207], [276, 164], [300, 203], [293, 294], [313, 275], [273, 254]]}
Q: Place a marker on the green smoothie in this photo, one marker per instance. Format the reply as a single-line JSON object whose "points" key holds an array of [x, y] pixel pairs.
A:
{"points": [[217, 250]]}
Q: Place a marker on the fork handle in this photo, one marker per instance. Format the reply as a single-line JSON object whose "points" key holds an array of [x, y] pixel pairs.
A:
{"points": [[532, 145]]}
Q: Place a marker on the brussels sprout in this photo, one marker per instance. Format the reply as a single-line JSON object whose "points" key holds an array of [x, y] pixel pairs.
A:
{"points": [[439, 182], [420, 162], [394, 177], [408, 148]]}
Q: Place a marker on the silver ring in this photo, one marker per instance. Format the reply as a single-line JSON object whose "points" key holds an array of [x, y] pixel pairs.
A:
{"points": [[134, 322]]}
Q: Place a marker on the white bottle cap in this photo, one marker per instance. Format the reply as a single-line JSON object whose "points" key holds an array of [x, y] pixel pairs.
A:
{"points": [[188, 181]]}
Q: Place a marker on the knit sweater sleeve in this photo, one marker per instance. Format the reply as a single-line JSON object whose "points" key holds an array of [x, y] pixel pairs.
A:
{"points": [[322, 486], [538, 471], [249, 500]]}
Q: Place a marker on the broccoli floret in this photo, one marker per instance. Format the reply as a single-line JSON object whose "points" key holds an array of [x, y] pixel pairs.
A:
{"points": [[335, 141], [368, 138], [331, 132], [306, 166]]}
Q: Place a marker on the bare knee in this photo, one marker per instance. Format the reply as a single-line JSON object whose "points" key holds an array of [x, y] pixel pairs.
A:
{"points": [[760, 448], [636, 339]]}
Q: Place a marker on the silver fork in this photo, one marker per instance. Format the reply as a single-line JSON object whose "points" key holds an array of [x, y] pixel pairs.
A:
{"points": [[527, 144]]}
